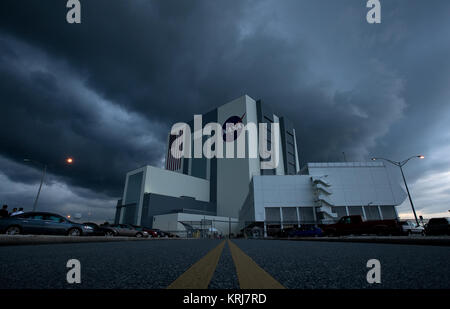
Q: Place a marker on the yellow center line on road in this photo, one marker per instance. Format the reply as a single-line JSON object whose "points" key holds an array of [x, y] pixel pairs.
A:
{"points": [[250, 275], [199, 275]]}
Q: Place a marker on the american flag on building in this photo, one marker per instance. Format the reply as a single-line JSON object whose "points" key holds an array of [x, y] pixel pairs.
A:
{"points": [[174, 163]]}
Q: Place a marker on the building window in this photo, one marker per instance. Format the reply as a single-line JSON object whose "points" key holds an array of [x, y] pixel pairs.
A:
{"points": [[273, 215], [340, 211], [355, 211], [372, 212], [290, 215], [306, 215], [388, 212]]}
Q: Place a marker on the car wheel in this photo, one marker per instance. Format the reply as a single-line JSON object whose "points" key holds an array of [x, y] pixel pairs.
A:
{"points": [[109, 233], [74, 232], [138, 235], [13, 230]]}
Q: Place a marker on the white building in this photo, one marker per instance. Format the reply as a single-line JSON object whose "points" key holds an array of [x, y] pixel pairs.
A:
{"points": [[237, 190], [323, 193]]}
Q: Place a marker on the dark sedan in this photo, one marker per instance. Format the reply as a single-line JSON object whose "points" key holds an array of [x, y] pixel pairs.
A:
{"points": [[42, 223], [101, 230]]}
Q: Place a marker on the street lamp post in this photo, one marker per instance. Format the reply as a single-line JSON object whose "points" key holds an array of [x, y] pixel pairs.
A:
{"points": [[400, 165], [44, 172]]}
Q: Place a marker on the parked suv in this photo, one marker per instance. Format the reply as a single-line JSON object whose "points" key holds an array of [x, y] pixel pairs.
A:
{"points": [[438, 226]]}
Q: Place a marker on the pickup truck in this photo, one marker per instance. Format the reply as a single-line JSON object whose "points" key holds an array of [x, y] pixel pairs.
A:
{"points": [[355, 225]]}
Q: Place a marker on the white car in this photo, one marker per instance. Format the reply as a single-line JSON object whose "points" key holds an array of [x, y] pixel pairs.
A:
{"points": [[410, 227]]}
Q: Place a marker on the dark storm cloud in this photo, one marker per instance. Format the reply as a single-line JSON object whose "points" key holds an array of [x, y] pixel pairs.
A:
{"points": [[107, 90], [51, 114]]}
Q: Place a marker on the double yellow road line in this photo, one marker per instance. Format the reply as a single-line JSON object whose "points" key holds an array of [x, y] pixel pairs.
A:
{"points": [[250, 275]]}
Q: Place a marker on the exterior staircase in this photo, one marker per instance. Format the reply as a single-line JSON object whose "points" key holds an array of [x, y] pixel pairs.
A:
{"points": [[322, 192]]}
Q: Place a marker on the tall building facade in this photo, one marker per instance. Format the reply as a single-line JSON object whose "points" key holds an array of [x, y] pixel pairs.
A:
{"points": [[227, 175], [240, 189]]}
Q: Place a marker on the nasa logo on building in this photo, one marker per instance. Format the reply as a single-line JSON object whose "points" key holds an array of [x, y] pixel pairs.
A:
{"points": [[232, 128]]}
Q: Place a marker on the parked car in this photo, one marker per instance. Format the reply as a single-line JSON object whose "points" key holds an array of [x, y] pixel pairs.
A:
{"points": [[42, 223], [151, 233], [438, 226], [160, 233], [410, 228], [172, 235], [101, 230], [128, 230], [306, 231], [355, 225]]}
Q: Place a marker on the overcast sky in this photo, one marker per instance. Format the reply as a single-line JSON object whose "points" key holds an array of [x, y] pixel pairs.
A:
{"points": [[106, 91]]}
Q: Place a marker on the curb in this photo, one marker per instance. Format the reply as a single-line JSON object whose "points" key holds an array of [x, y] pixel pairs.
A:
{"points": [[427, 241], [16, 240]]}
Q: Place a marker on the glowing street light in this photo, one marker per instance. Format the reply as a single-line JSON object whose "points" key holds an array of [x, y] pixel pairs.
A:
{"points": [[44, 171], [400, 165]]}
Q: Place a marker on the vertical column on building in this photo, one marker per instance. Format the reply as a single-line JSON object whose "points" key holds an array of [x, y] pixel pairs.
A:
{"points": [[379, 211], [396, 213], [315, 214], [141, 197], [281, 217], [122, 210], [297, 165], [364, 213], [265, 223], [298, 216]]}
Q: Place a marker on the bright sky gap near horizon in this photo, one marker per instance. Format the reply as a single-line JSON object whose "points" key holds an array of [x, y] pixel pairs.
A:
{"points": [[107, 91]]}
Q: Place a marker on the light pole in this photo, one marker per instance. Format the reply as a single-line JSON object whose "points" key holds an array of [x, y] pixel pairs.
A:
{"points": [[44, 171], [400, 165]]}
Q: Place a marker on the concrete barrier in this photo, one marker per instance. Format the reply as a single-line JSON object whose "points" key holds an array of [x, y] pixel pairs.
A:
{"points": [[12, 240]]}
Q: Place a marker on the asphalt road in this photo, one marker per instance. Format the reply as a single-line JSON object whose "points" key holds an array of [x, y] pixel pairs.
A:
{"points": [[292, 264]]}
